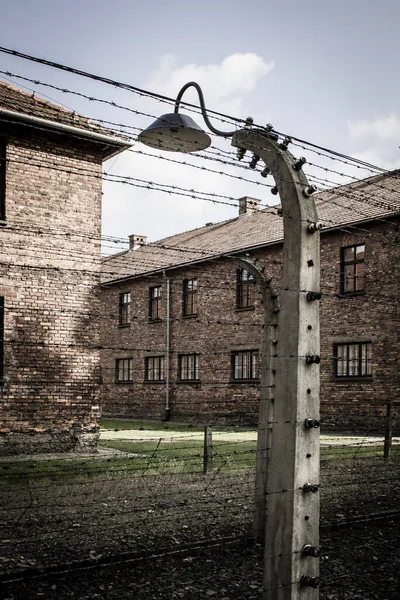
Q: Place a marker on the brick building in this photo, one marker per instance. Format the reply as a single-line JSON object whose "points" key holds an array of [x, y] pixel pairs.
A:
{"points": [[182, 321], [50, 209]]}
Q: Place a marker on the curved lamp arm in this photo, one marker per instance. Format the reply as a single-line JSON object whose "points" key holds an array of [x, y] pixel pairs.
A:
{"points": [[203, 108]]}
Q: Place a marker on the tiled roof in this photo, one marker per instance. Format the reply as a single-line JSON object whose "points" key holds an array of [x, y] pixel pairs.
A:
{"points": [[12, 98], [372, 198]]}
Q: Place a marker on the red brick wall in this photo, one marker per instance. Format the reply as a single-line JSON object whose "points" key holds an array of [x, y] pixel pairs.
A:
{"points": [[372, 316], [219, 328], [49, 270]]}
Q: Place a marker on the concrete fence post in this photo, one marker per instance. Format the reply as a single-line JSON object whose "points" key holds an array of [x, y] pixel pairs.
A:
{"points": [[267, 391], [292, 492]]}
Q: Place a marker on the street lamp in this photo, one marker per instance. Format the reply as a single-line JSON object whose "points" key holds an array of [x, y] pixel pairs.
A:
{"points": [[179, 133], [289, 465], [175, 132]]}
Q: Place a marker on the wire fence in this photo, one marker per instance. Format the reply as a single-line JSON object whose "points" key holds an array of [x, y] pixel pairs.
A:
{"points": [[157, 493], [172, 489]]}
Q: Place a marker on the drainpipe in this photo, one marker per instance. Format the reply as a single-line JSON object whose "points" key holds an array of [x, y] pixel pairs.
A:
{"points": [[168, 351]]}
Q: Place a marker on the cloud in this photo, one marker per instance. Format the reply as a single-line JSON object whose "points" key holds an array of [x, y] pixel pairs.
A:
{"points": [[225, 84], [376, 140], [382, 128], [129, 209]]}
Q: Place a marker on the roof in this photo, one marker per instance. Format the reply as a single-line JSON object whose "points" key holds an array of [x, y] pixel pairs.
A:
{"points": [[369, 199], [16, 104]]}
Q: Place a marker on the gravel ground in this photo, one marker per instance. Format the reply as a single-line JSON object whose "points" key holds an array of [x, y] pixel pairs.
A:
{"points": [[53, 522], [360, 563]]}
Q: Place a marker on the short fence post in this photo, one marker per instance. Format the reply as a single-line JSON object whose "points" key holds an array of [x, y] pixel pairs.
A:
{"points": [[208, 449], [388, 431]]}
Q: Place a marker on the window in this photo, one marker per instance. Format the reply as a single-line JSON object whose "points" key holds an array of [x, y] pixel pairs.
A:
{"points": [[190, 297], [352, 269], [189, 367], [155, 303], [245, 365], [353, 360], [154, 368], [1, 339], [245, 289], [3, 163], [124, 309], [124, 370]]}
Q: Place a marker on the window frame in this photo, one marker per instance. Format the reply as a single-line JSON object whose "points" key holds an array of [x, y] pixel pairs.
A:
{"points": [[128, 371], [355, 277], [359, 362], [253, 367], [3, 169], [1, 339], [124, 312], [155, 305], [160, 370], [245, 288], [190, 299], [194, 369]]}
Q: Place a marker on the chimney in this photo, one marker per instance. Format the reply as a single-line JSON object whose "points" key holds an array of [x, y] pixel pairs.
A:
{"points": [[136, 241], [248, 205]]}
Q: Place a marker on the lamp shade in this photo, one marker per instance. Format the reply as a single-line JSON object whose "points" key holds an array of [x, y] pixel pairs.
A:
{"points": [[176, 133]]}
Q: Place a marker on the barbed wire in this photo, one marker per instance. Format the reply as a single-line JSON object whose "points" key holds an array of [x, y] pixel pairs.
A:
{"points": [[241, 457], [345, 192], [189, 106]]}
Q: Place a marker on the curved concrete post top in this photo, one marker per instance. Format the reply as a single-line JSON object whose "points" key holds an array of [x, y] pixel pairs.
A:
{"points": [[269, 294], [291, 182]]}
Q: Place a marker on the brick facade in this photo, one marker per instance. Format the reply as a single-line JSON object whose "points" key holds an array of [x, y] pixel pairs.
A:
{"points": [[49, 273], [220, 329], [369, 317]]}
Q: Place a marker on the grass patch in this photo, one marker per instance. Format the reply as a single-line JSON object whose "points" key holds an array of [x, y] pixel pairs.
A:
{"points": [[150, 457], [138, 425], [158, 457], [55, 470], [143, 425], [356, 451], [183, 456], [234, 456]]}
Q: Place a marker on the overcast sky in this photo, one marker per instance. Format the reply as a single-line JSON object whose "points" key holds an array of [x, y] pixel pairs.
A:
{"points": [[323, 71]]}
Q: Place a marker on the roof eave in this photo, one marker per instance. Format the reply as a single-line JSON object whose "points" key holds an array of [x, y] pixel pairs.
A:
{"points": [[188, 263], [239, 251], [111, 144]]}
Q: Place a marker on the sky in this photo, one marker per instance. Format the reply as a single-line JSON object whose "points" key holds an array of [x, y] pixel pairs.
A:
{"points": [[325, 72]]}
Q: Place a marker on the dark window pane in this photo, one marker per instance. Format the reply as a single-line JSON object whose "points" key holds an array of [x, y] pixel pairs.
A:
{"points": [[349, 254], [245, 293], [124, 308], [341, 360], [366, 367], [352, 268], [190, 297], [349, 281], [189, 367], [155, 303], [245, 365], [155, 368], [353, 360], [360, 250], [124, 370]]}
